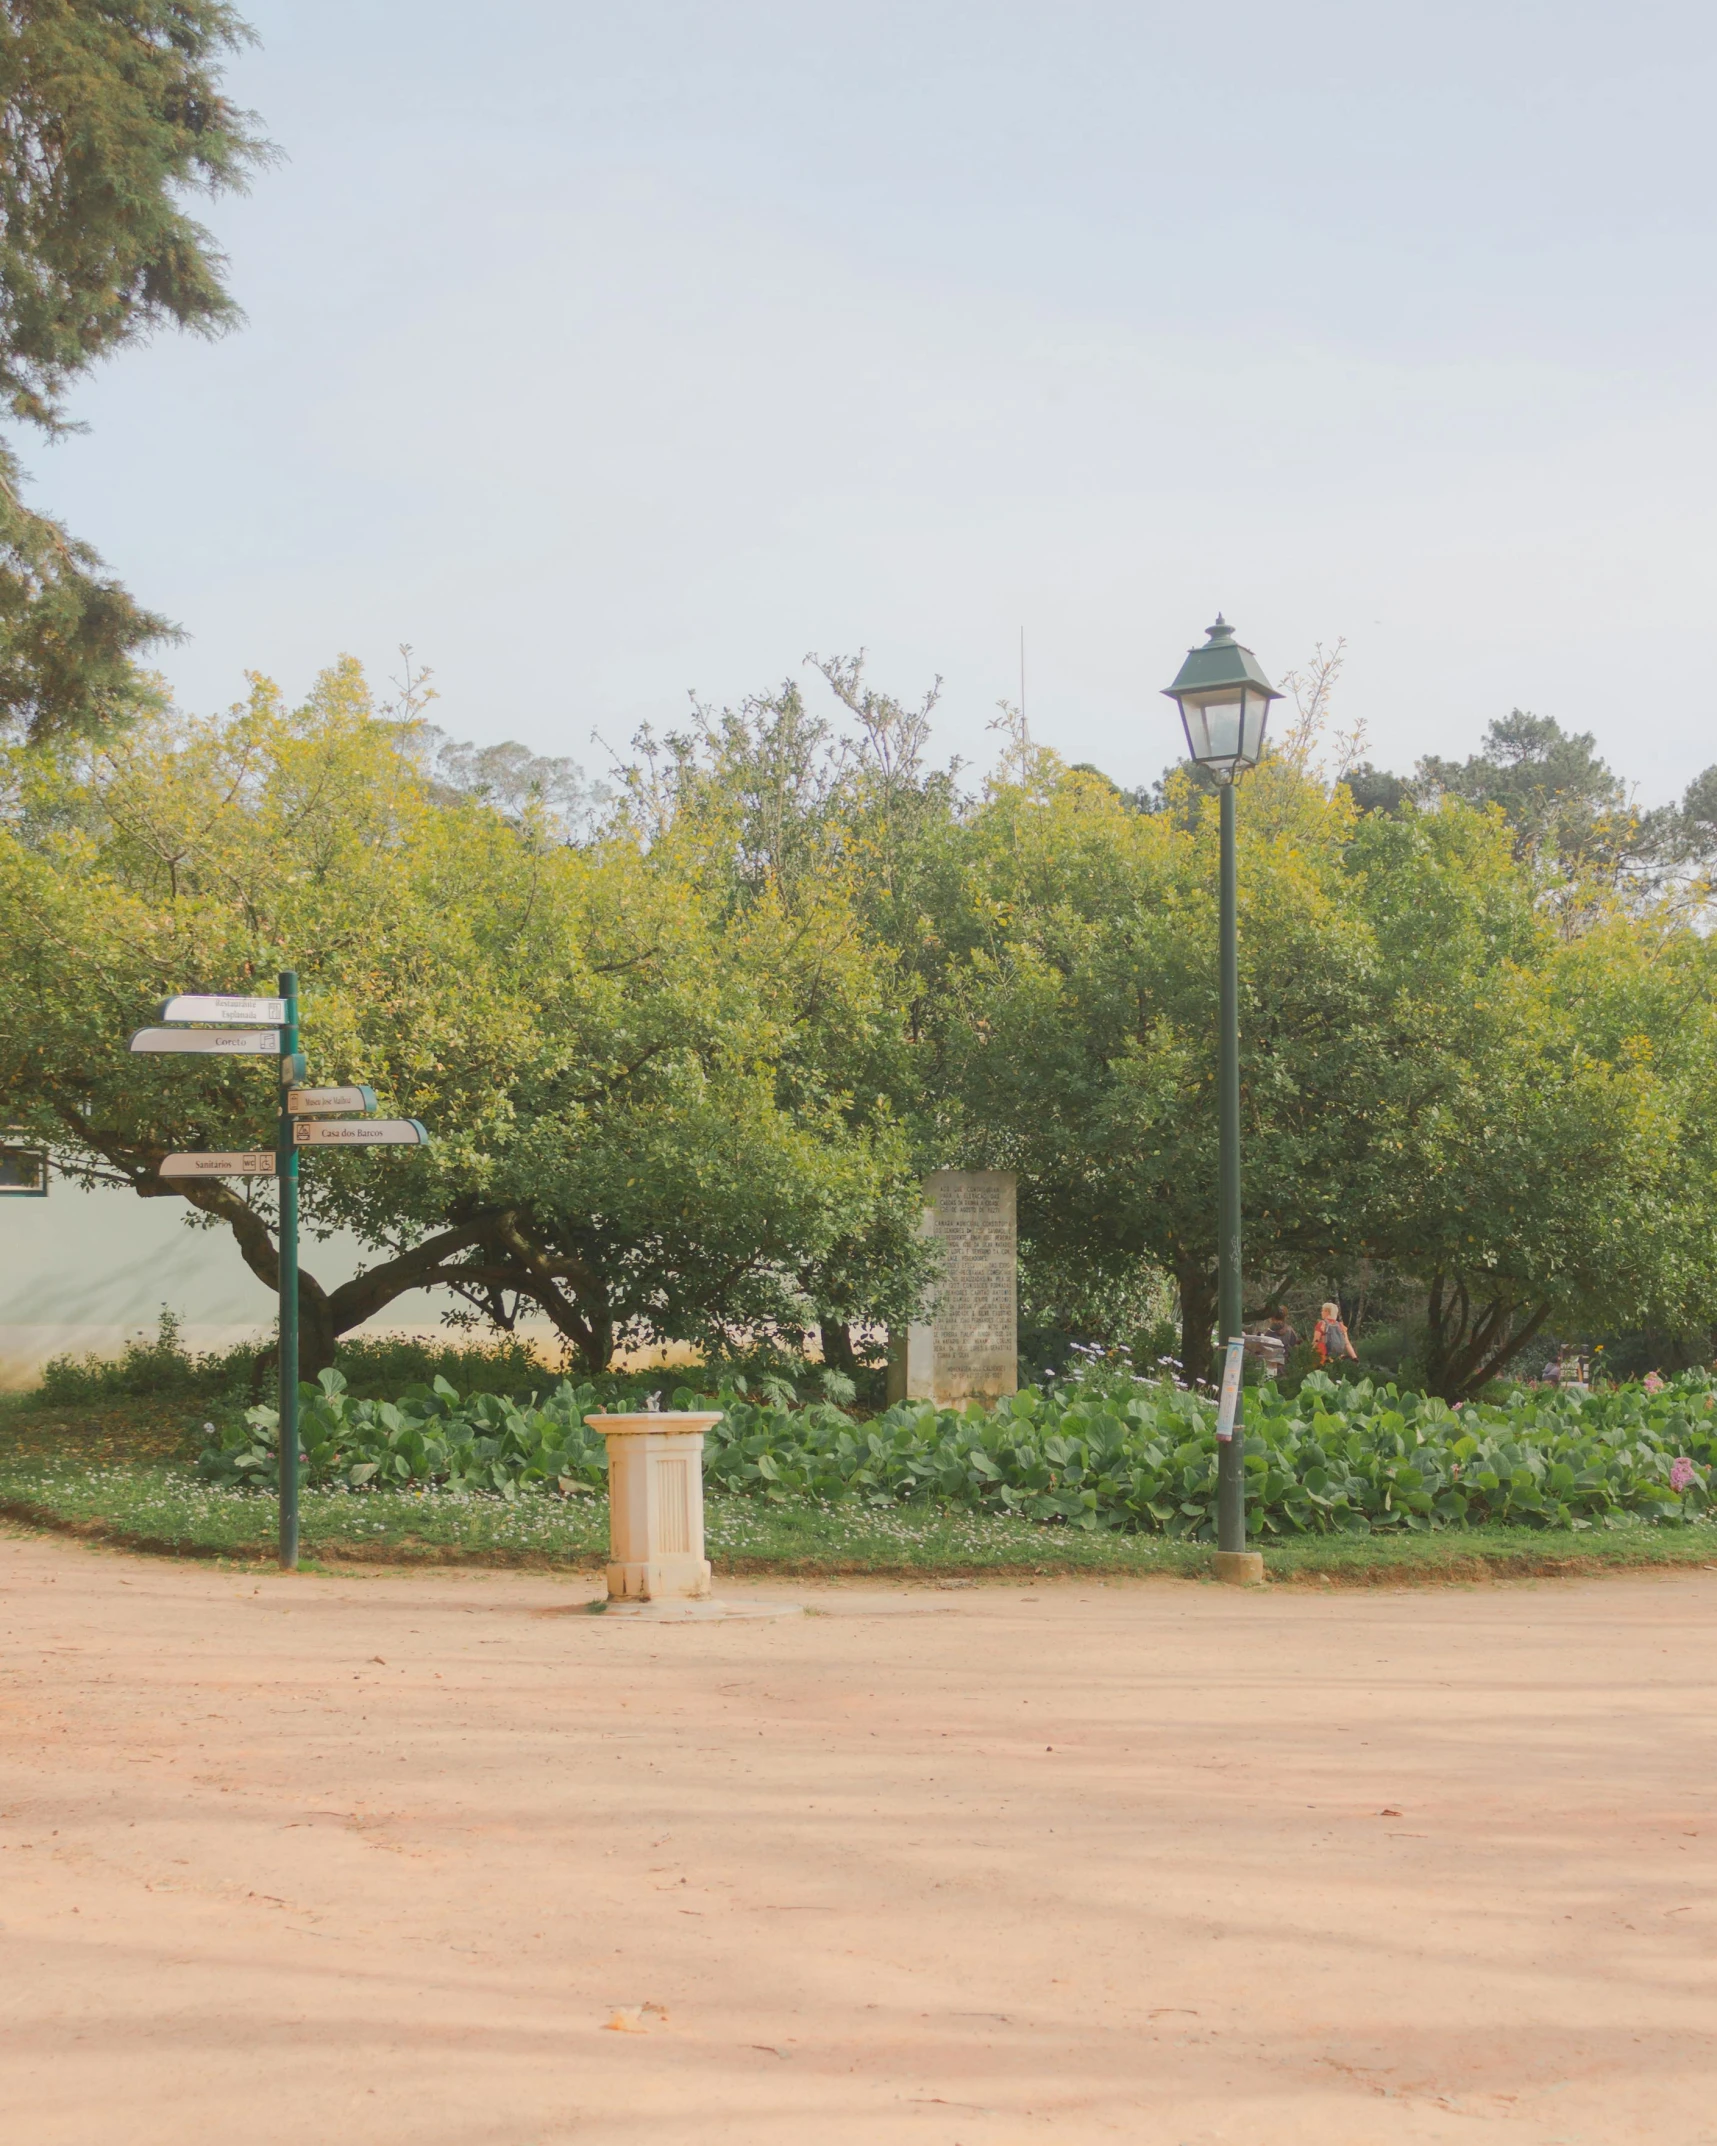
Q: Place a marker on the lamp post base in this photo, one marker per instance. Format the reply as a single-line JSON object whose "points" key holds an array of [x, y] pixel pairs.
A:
{"points": [[1239, 1568]]}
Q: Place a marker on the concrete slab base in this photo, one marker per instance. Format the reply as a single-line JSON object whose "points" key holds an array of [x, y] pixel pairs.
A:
{"points": [[707, 1611], [1240, 1568]]}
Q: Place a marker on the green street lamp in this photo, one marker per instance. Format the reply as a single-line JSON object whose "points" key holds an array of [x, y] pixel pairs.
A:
{"points": [[1224, 701]]}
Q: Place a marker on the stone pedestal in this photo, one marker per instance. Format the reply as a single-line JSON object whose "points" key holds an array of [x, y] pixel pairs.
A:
{"points": [[655, 1505]]}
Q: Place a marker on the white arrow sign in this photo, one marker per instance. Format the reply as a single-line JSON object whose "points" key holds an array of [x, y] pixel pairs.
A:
{"points": [[259, 1165], [255, 1012], [359, 1133], [325, 1102], [253, 1042]]}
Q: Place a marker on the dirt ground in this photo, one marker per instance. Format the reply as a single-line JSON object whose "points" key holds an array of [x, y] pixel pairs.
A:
{"points": [[447, 1860]]}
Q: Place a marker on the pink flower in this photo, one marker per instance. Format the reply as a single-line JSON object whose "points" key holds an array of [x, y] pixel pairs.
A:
{"points": [[1653, 1384], [1680, 1472]]}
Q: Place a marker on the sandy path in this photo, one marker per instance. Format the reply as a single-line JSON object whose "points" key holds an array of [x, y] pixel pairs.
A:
{"points": [[1063, 1863]]}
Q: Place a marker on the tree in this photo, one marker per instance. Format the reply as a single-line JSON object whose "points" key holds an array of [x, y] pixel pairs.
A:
{"points": [[1431, 1076], [1374, 789], [793, 825], [112, 112], [1572, 820], [1564, 805], [630, 1132]]}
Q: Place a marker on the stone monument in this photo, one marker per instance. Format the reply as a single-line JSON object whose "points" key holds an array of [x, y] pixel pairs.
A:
{"points": [[968, 1347]]}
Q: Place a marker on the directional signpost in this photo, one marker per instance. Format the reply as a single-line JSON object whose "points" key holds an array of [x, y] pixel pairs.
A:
{"points": [[286, 1168], [268, 1028]]}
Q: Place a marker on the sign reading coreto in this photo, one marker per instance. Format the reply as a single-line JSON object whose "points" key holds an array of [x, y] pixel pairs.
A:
{"points": [[247, 1042], [249, 1012], [313, 1102], [254, 1165], [362, 1133]]}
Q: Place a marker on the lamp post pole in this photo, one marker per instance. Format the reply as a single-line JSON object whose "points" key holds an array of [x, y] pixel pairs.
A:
{"points": [[1230, 1308], [1224, 700]]}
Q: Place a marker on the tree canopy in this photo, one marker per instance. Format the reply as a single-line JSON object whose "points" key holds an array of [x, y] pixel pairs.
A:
{"points": [[687, 1046], [640, 1126], [111, 112]]}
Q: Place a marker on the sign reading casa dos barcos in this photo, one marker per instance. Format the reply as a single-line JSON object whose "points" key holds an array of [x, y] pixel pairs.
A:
{"points": [[246, 1042], [215, 1023], [245, 1012], [361, 1133]]}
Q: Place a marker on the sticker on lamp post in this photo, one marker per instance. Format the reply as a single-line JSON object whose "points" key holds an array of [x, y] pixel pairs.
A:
{"points": [[329, 1102], [217, 1007], [362, 1133], [224, 1042], [258, 1164], [1229, 1404]]}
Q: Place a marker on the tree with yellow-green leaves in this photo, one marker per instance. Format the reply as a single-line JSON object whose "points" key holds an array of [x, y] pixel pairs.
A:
{"points": [[685, 1064], [634, 1130], [1438, 1074], [1432, 1075]]}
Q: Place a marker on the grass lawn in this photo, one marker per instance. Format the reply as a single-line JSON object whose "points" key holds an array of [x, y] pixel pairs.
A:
{"points": [[120, 1472]]}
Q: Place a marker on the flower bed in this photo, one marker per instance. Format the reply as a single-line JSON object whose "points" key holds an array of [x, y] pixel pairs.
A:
{"points": [[1101, 1453]]}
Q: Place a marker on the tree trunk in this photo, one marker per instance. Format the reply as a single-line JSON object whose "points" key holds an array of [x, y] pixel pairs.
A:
{"points": [[837, 1344], [318, 1336], [485, 1250], [1463, 1350], [1197, 1284]]}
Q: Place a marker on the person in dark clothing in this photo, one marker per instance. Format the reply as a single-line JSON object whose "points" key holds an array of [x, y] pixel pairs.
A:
{"points": [[1278, 1328]]}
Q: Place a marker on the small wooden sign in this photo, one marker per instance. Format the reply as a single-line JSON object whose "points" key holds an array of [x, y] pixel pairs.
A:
{"points": [[328, 1102], [257, 1165], [250, 1012], [244, 1042], [362, 1133]]}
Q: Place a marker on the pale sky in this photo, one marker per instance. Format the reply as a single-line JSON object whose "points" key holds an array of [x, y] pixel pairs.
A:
{"points": [[607, 352]]}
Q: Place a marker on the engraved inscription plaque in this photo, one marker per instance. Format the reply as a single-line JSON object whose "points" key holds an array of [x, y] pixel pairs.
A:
{"points": [[968, 1347]]}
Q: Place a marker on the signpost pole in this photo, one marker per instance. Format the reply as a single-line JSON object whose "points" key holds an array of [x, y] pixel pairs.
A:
{"points": [[286, 1173]]}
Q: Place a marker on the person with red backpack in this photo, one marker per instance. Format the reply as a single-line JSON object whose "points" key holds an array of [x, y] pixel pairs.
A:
{"points": [[1330, 1344]]}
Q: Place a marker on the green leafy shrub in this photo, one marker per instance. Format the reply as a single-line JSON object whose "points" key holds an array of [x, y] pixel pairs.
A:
{"points": [[1106, 1451], [490, 1441], [162, 1367], [378, 1365]]}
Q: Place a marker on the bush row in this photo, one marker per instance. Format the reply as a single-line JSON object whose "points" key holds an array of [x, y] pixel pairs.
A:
{"points": [[1101, 1452]]}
